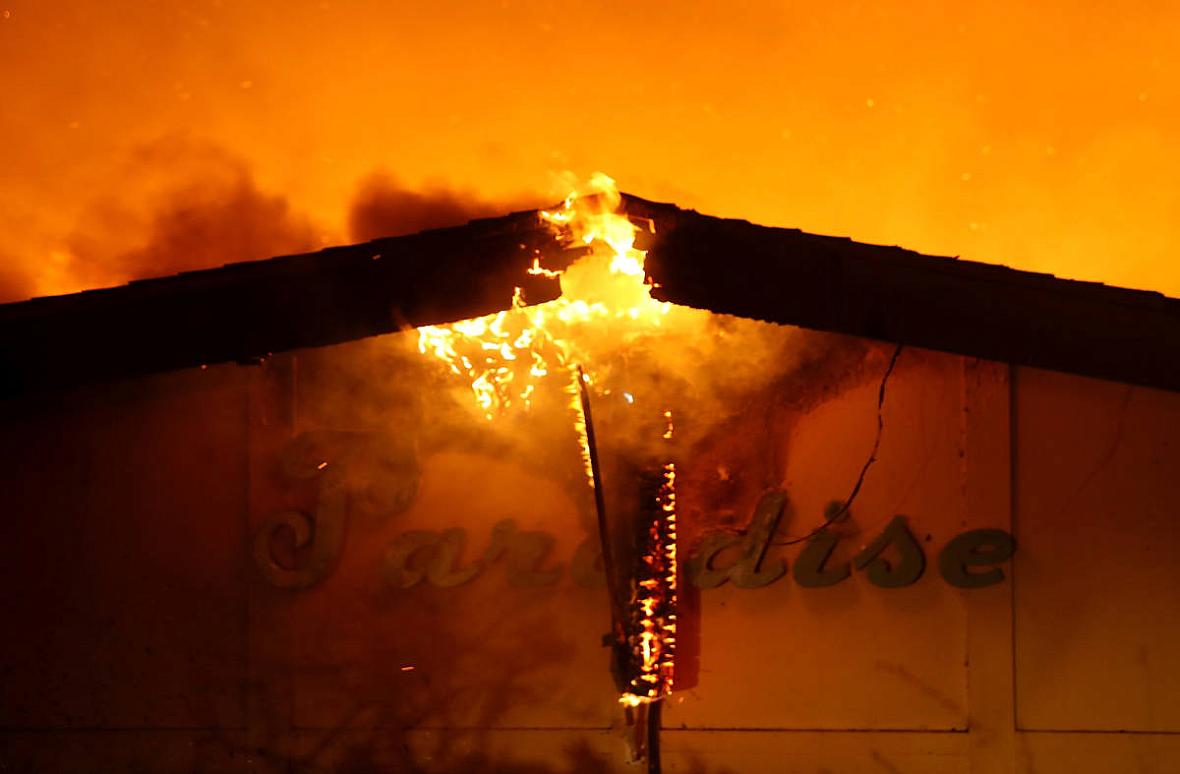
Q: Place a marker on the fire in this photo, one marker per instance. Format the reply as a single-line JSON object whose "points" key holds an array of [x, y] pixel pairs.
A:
{"points": [[578, 403], [605, 302], [505, 356], [653, 600]]}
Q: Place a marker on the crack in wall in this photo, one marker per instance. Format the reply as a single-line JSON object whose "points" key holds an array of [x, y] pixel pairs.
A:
{"points": [[846, 507]]}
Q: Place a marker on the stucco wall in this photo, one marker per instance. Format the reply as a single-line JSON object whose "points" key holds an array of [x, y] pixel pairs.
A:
{"points": [[160, 618]]}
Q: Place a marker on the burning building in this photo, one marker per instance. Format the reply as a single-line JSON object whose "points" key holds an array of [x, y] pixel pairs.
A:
{"points": [[610, 484]]}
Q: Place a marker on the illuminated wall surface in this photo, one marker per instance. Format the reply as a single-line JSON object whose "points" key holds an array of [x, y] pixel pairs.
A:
{"points": [[160, 617]]}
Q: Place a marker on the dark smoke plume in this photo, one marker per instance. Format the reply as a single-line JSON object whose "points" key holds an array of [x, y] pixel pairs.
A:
{"points": [[181, 204], [177, 205], [193, 206], [383, 207]]}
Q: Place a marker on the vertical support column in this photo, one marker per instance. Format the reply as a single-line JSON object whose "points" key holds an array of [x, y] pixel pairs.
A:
{"points": [[987, 436]]}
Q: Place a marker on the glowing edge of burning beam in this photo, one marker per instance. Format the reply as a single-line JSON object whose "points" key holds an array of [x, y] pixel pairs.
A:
{"points": [[655, 647]]}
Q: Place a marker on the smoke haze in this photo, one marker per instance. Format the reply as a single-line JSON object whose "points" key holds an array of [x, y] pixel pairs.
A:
{"points": [[182, 205]]}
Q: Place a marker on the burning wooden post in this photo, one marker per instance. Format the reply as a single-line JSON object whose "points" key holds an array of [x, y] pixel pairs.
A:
{"points": [[639, 558], [651, 628], [652, 632]]}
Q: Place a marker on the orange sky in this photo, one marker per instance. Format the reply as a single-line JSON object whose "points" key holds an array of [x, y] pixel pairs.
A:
{"points": [[1044, 139]]}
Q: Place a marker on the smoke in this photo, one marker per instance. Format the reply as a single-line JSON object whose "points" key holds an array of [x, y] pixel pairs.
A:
{"points": [[179, 205], [707, 369], [384, 207], [183, 205]]}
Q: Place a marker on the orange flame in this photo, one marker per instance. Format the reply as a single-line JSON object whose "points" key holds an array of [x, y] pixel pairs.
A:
{"points": [[505, 356]]}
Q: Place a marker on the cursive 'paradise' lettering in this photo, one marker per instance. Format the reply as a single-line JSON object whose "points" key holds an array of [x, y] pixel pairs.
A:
{"points": [[893, 559]]}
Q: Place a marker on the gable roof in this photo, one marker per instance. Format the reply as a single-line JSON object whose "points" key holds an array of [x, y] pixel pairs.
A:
{"points": [[891, 294], [244, 311], [896, 295]]}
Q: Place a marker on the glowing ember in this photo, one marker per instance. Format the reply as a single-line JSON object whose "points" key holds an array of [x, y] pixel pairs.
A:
{"points": [[652, 638], [577, 403]]}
